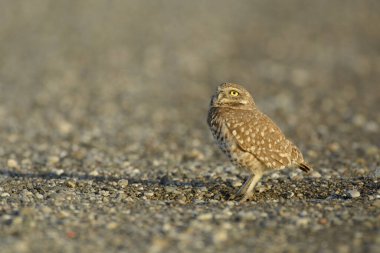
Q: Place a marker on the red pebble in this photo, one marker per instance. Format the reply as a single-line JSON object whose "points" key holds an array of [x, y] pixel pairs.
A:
{"points": [[71, 234]]}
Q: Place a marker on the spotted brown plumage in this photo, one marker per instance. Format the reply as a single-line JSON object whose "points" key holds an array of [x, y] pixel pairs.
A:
{"points": [[249, 138]]}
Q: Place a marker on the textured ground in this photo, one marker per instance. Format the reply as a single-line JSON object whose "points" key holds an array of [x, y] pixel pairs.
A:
{"points": [[104, 145]]}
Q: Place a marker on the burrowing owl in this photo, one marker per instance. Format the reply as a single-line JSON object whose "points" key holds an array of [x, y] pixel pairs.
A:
{"points": [[248, 137]]}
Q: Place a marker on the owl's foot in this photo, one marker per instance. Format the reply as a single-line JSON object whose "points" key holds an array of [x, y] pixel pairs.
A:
{"points": [[243, 190], [241, 198], [246, 191], [245, 198]]}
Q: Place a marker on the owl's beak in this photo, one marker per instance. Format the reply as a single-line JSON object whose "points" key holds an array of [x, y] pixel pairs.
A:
{"points": [[216, 99]]}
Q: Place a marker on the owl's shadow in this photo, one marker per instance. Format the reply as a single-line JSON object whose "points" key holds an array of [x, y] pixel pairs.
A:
{"points": [[54, 176], [163, 181]]}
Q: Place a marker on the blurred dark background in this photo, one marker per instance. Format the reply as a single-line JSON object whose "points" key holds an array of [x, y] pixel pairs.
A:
{"points": [[133, 78]]}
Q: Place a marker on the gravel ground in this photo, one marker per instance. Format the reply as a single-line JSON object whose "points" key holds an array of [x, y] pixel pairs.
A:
{"points": [[105, 147]]}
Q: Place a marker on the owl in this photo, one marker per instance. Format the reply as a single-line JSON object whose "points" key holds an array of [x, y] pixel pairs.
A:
{"points": [[249, 138]]}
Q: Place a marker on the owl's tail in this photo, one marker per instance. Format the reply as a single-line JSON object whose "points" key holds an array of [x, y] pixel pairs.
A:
{"points": [[304, 167]]}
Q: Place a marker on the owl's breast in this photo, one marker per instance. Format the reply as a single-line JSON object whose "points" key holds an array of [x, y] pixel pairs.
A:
{"points": [[228, 144]]}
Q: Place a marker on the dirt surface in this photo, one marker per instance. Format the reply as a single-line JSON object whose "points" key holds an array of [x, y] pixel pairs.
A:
{"points": [[104, 145]]}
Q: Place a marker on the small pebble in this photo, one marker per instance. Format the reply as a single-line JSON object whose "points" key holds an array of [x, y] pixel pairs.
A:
{"points": [[59, 172], [302, 222], [123, 183], [11, 163], [71, 184], [53, 160], [237, 183], [39, 196], [149, 194], [323, 221], [112, 225], [172, 189], [220, 236], [247, 215], [205, 216], [94, 173], [315, 174], [353, 193], [334, 147], [289, 195]]}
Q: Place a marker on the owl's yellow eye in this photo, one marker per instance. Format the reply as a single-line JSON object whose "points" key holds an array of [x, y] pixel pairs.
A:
{"points": [[234, 93]]}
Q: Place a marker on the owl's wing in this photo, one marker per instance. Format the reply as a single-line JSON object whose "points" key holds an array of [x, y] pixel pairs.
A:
{"points": [[259, 135]]}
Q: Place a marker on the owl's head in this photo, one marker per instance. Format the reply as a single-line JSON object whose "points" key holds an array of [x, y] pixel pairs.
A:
{"points": [[232, 95]]}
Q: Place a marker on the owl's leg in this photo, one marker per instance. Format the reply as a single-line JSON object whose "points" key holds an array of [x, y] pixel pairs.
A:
{"points": [[244, 187], [249, 188]]}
